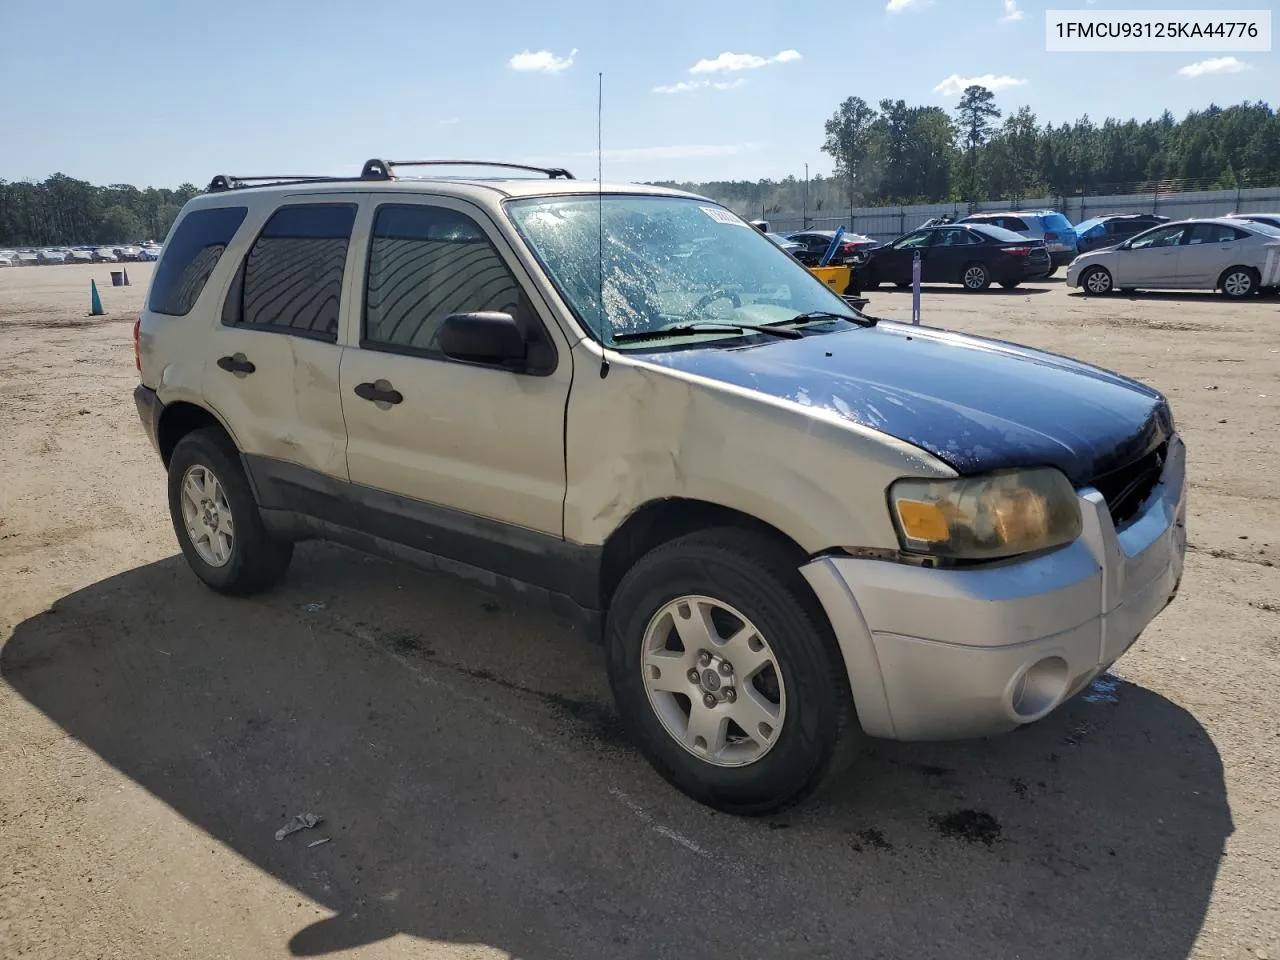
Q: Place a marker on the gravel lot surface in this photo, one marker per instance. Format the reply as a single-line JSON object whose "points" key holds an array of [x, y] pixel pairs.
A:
{"points": [[463, 753]]}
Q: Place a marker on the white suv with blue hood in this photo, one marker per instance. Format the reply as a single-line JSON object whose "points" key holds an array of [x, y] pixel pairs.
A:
{"points": [[796, 526]]}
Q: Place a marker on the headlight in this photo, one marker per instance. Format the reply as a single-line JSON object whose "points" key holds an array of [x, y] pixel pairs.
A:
{"points": [[984, 518]]}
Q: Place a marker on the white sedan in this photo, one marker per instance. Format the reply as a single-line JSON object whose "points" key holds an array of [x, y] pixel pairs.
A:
{"points": [[1238, 257]]}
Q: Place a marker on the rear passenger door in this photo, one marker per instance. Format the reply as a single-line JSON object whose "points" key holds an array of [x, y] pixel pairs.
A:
{"points": [[1207, 250], [469, 461], [952, 248], [273, 359]]}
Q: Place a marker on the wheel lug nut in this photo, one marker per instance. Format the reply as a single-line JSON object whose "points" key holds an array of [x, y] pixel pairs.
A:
{"points": [[704, 659], [726, 668], [708, 700], [693, 676], [730, 694]]}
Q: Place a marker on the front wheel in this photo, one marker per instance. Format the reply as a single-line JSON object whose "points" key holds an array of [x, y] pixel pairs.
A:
{"points": [[726, 673], [216, 517], [976, 277], [1096, 281]]}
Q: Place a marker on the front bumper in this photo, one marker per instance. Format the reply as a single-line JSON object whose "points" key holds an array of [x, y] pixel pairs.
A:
{"points": [[939, 654]]}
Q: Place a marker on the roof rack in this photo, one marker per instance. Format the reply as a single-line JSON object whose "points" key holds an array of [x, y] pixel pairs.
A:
{"points": [[374, 169], [385, 169]]}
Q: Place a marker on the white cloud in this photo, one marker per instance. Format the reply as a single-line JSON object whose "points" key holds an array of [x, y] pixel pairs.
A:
{"points": [[955, 84], [690, 152], [543, 61], [684, 86], [688, 86], [1011, 11], [1215, 65], [897, 6], [732, 62]]}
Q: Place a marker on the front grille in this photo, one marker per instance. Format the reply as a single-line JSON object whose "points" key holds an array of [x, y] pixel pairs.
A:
{"points": [[1126, 489]]}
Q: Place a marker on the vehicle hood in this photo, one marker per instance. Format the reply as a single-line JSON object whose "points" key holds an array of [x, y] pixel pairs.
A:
{"points": [[976, 404]]}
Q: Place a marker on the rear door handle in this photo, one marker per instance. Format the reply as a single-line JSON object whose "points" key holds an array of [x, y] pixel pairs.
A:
{"points": [[238, 363], [380, 391]]}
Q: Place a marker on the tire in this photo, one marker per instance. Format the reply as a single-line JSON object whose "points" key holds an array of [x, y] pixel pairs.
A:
{"points": [[1010, 284], [1096, 281], [254, 559], [975, 277], [755, 582], [1238, 282], [870, 280]]}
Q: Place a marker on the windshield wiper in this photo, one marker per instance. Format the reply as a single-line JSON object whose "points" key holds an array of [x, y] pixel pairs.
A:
{"points": [[694, 329], [860, 319]]}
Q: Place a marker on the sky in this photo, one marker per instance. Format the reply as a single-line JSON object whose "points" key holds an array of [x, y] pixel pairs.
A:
{"points": [[171, 92]]}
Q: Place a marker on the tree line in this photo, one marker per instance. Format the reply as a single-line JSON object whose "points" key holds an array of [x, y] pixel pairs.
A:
{"points": [[61, 210], [901, 154]]}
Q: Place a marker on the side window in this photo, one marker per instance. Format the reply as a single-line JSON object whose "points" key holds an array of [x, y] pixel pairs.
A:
{"points": [[956, 237], [291, 280], [426, 263], [190, 256], [1168, 237], [1016, 224], [918, 239], [1212, 233]]}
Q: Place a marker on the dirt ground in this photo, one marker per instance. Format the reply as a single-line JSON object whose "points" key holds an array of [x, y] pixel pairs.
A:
{"points": [[476, 794]]}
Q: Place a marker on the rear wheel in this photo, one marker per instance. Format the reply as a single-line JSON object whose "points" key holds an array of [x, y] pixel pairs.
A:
{"points": [[726, 673], [1096, 281], [1236, 283], [976, 277], [216, 517]]}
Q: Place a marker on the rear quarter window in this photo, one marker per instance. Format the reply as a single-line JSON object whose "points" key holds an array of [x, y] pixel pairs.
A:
{"points": [[190, 256], [1055, 221]]}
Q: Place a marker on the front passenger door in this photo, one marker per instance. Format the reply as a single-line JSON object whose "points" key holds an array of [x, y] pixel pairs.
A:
{"points": [[464, 460], [1151, 259]]}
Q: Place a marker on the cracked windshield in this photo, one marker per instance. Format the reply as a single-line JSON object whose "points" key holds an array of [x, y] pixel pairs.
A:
{"points": [[666, 262]]}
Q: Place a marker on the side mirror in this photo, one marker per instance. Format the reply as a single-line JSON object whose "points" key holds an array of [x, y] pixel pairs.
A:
{"points": [[490, 337]]}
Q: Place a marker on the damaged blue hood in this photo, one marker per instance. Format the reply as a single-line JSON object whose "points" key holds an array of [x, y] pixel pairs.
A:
{"points": [[976, 404]]}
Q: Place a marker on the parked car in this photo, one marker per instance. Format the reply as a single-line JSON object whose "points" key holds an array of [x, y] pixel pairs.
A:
{"points": [[28, 258], [8, 258], [53, 256], [1048, 225], [814, 244], [1270, 218], [129, 252], [983, 528], [105, 255], [148, 253], [788, 245], [80, 255], [1110, 229], [1238, 257], [974, 255]]}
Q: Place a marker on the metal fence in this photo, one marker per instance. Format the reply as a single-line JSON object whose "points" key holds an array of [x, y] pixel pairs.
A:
{"points": [[886, 223]]}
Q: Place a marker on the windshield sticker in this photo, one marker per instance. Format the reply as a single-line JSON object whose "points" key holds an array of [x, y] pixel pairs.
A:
{"points": [[720, 215]]}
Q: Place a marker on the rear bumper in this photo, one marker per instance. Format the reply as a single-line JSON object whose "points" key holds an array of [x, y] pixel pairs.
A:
{"points": [[937, 654], [1061, 258], [149, 410]]}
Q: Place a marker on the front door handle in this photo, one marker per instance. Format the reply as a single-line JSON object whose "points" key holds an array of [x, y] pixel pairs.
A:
{"points": [[380, 391], [238, 363]]}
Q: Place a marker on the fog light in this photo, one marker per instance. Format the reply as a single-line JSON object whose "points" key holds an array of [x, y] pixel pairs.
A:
{"points": [[1039, 689]]}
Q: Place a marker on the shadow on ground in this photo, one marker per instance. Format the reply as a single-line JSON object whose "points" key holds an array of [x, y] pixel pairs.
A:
{"points": [[476, 789], [991, 291]]}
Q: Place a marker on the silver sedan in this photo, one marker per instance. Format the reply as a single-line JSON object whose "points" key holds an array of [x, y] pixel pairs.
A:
{"points": [[1238, 257]]}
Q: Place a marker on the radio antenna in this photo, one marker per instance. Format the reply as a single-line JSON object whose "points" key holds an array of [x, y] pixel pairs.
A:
{"points": [[604, 357]]}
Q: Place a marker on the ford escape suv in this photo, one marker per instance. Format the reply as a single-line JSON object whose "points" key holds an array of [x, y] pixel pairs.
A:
{"points": [[795, 526]]}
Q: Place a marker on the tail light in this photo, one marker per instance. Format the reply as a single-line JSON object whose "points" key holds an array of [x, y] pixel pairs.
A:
{"points": [[1050, 236], [1018, 251], [137, 350]]}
